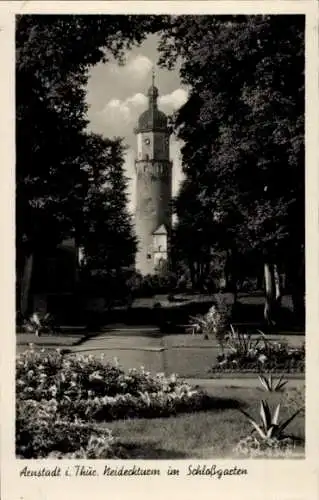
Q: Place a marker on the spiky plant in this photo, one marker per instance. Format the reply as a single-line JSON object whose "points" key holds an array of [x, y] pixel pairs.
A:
{"points": [[271, 384], [269, 427], [241, 342], [38, 323]]}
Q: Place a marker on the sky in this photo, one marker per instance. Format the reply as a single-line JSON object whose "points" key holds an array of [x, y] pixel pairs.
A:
{"points": [[116, 96]]}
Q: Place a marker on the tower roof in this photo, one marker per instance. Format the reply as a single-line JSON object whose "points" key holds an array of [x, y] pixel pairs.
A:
{"points": [[160, 230], [152, 118]]}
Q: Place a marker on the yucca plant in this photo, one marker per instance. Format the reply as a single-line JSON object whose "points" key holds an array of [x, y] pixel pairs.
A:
{"points": [[242, 342], [269, 427], [271, 384], [267, 344], [38, 323]]}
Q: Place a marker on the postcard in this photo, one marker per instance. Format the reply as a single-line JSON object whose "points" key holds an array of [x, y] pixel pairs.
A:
{"points": [[160, 249]]}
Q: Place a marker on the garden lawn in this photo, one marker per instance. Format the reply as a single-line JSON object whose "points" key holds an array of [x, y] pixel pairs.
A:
{"points": [[204, 435]]}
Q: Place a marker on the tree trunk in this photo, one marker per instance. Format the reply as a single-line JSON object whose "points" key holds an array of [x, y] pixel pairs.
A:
{"points": [[269, 293], [296, 279], [278, 293], [192, 273], [277, 284], [298, 297], [26, 284], [230, 273]]}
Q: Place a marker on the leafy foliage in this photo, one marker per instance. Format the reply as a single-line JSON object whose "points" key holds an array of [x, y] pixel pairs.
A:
{"points": [[38, 324], [106, 231], [40, 433], [84, 388], [269, 426], [252, 447], [243, 123], [272, 385], [55, 152], [215, 322], [260, 355]]}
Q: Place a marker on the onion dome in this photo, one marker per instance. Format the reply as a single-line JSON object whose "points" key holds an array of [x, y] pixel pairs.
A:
{"points": [[152, 119]]}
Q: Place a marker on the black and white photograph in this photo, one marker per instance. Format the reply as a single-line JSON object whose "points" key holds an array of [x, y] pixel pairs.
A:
{"points": [[160, 238]]}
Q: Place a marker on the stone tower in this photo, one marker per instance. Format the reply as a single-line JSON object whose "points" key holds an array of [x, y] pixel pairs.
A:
{"points": [[153, 187]]}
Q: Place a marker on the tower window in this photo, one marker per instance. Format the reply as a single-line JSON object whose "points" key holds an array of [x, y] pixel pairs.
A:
{"points": [[149, 256]]}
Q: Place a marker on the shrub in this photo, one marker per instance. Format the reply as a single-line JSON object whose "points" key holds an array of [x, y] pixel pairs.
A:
{"points": [[270, 439], [215, 322], [261, 355], [41, 433], [269, 425], [252, 447], [272, 385], [88, 389], [59, 398], [39, 323]]}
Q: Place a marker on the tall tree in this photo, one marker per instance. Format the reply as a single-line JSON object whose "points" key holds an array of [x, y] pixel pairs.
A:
{"points": [[106, 233], [243, 129], [53, 57]]}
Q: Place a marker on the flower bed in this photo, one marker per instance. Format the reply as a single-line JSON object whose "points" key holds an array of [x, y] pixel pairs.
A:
{"points": [[271, 357], [57, 394], [41, 433], [252, 447]]}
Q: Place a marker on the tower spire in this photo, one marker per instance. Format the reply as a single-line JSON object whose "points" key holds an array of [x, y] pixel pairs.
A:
{"points": [[153, 92]]}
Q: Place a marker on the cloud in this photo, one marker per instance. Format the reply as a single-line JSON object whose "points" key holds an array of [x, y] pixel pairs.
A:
{"points": [[137, 68], [122, 114], [173, 101], [138, 100]]}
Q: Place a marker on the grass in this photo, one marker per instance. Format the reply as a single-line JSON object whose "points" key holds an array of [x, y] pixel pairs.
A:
{"points": [[204, 435]]}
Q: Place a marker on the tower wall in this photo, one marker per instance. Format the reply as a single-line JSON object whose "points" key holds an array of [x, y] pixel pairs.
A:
{"points": [[153, 190]]}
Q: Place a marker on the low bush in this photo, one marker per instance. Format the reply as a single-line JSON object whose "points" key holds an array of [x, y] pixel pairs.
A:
{"points": [[260, 356], [271, 440], [56, 394], [41, 433], [252, 447], [59, 398], [215, 323], [39, 323]]}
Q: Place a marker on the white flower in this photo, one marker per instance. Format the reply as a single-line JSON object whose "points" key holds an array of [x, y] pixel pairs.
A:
{"points": [[262, 358], [95, 376], [53, 390]]}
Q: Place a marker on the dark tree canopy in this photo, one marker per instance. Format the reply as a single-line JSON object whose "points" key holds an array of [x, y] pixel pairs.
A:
{"points": [[243, 130], [54, 150]]}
